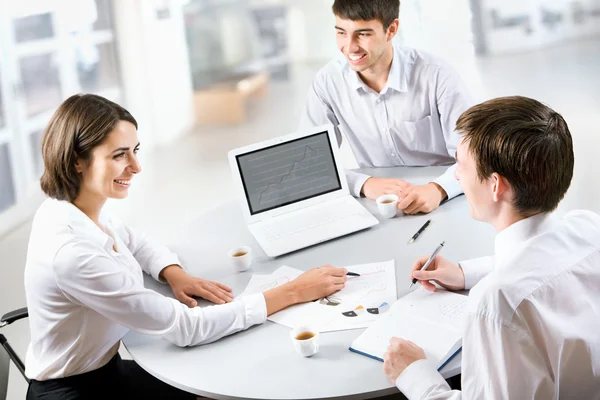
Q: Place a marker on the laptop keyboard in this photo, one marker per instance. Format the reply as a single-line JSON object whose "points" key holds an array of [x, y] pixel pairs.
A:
{"points": [[316, 217]]}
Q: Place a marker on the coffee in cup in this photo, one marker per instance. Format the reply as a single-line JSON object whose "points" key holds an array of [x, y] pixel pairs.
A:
{"points": [[305, 336], [241, 258], [306, 340], [387, 205]]}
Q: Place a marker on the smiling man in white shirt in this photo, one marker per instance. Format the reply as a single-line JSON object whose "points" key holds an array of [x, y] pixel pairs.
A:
{"points": [[533, 321], [395, 106]]}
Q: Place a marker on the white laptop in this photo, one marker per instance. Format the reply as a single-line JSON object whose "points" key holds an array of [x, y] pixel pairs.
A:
{"points": [[294, 192]]}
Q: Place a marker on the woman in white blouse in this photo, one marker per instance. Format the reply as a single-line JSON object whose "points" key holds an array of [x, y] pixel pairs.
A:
{"points": [[83, 276]]}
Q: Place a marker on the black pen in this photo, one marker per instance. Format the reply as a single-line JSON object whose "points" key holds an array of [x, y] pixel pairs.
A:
{"points": [[352, 274], [416, 235]]}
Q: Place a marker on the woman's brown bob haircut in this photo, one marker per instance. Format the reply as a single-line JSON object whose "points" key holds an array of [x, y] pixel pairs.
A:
{"points": [[81, 123], [527, 143]]}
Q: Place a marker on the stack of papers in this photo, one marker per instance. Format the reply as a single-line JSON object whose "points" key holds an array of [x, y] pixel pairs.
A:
{"points": [[363, 300]]}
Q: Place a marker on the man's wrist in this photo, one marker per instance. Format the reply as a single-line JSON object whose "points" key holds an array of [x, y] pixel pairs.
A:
{"points": [[443, 193], [362, 189]]}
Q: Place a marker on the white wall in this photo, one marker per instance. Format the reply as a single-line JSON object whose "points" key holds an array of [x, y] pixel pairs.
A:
{"points": [[155, 69], [156, 80], [311, 31], [509, 26], [444, 27]]}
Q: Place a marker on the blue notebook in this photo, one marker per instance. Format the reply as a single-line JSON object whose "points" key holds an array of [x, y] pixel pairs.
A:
{"points": [[433, 321]]}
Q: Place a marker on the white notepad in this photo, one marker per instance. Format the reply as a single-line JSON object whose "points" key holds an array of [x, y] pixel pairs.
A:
{"points": [[433, 321]]}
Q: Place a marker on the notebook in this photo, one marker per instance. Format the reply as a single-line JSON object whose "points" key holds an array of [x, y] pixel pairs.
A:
{"points": [[433, 321]]}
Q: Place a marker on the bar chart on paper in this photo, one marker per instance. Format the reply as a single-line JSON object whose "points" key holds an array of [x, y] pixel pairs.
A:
{"points": [[362, 301], [365, 298]]}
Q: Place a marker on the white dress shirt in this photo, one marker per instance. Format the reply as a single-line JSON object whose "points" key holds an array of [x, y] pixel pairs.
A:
{"points": [[83, 296], [410, 123], [533, 325]]}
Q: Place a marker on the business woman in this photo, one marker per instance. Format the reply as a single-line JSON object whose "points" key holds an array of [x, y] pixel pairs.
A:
{"points": [[83, 276]]}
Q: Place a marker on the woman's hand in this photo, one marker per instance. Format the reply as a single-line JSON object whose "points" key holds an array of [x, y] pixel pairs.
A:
{"points": [[185, 286], [319, 282], [313, 284]]}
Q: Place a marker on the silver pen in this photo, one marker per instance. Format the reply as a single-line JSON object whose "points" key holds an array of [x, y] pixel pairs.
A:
{"points": [[424, 267]]}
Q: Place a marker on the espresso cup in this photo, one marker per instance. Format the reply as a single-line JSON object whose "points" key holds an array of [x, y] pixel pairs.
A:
{"points": [[387, 205], [241, 258], [306, 340]]}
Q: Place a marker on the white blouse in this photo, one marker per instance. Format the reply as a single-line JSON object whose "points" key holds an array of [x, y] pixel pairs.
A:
{"points": [[83, 296]]}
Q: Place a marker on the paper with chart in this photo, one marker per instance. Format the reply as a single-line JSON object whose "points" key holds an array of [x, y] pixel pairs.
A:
{"points": [[365, 298], [299, 314], [362, 301], [262, 282]]}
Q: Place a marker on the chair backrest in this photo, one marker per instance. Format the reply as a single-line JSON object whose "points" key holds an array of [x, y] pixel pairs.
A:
{"points": [[4, 368], [7, 353]]}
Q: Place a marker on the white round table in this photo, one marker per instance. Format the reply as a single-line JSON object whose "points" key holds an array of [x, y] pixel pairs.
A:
{"points": [[261, 363]]}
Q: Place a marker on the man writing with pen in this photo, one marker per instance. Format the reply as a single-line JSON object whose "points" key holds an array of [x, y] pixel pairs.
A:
{"points": [[533, 315]]}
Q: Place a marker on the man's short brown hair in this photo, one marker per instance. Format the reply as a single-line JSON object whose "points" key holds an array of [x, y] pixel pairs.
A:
{"points": [[81, 123], [385, 11], [527, 143]]}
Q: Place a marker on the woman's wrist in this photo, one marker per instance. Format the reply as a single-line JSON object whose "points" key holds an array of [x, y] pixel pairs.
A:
{"points": [[169, 272], [281, 297]]}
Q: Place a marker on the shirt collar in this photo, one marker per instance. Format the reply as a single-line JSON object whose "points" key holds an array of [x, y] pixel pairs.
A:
{"points": [[397, 78], [354, 79], [509, 240], [66, 213]]}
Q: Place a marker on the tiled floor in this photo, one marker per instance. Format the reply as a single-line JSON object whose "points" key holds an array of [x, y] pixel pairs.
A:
{"points": [[191, 176]]}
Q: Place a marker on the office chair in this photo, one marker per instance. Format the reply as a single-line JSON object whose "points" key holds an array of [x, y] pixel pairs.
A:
{"points": [[7, 353]]}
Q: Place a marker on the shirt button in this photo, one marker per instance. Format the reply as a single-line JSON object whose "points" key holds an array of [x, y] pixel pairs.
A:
{"points": [[393, 155]]}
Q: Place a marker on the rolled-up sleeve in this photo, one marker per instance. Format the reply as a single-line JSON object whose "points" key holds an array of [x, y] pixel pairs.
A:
{"points": [[92, 279]]}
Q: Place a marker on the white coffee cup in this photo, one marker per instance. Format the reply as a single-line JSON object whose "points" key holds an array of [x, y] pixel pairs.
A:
{"points": [[387, 205], [241, 258], [305, 346]]}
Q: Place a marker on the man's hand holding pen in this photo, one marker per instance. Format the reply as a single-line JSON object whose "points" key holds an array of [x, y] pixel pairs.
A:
{"points": [[440, 271]]}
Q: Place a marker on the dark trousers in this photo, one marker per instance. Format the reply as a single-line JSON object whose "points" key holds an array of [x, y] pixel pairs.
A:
{"points": [[119, 379]]}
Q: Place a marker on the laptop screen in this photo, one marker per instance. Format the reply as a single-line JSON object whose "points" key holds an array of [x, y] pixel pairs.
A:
{"points": [[286, 173]]}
